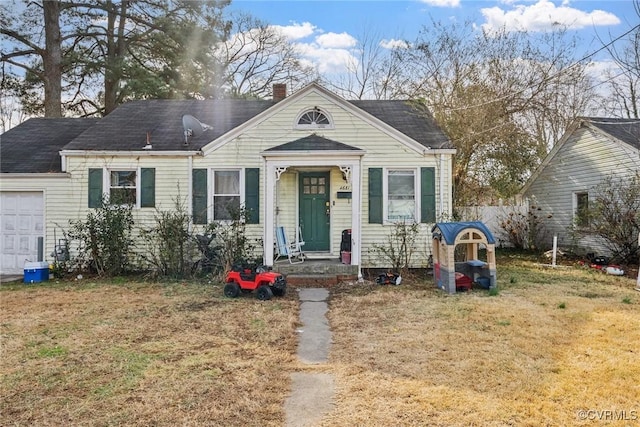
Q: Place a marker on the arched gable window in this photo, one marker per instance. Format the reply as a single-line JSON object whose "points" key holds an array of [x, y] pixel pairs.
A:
{"points": [[314, 119]]}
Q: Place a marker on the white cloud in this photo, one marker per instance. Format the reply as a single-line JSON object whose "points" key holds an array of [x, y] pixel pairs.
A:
{"points": [[296, 31], [328, 61], [442, 3], [543, 15], [333, 40], [328, 52], [394, 44]]}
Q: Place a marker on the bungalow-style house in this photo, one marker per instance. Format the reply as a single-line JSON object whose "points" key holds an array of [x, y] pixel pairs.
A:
{"points": [[591, 149], [311, 162]]}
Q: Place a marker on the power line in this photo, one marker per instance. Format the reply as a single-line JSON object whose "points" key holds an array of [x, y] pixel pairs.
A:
{"points": [[549, 77]]}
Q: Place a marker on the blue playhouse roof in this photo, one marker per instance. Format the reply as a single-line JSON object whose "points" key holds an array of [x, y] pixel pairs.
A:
{"points": [[449, 230]]}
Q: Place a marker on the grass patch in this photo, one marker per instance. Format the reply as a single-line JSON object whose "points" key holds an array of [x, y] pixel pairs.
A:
{"points": [[138, 354], [421, 358], [105, 353], [55, 351]]}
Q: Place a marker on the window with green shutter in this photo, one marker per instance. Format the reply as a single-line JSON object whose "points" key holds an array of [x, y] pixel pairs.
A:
{"points": [[225, 186], [199, 194], [123, 187], [95, 187], [401, 195], [252, 194]]}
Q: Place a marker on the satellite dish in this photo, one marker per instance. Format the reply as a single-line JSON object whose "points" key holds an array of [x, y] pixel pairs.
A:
{"points": [[192, 127]]}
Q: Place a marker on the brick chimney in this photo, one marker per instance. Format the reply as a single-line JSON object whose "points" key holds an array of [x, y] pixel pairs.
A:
{"points": [[279, 91]]}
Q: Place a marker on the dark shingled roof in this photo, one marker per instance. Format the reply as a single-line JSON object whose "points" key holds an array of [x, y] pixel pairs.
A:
{"points": [[126, 127], [33, 146], [313, 142], [415, 122], [626, 130]]}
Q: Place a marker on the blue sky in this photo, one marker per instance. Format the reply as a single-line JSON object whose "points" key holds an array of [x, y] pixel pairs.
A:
{"points": [[327, 29]]}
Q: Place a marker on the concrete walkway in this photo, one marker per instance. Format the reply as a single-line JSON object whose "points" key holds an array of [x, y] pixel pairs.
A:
{"points": [[315, 336], [311, 392]]}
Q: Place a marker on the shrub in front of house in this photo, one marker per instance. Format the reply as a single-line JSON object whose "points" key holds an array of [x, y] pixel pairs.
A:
{"points": [[103, 240]]}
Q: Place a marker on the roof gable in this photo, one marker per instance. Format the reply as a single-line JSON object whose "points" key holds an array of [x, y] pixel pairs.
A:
{"points": [[624, 131], [34, 146], [398, 119]]}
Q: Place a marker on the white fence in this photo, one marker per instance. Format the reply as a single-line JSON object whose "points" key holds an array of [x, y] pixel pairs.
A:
{"points": [[491, 217]]}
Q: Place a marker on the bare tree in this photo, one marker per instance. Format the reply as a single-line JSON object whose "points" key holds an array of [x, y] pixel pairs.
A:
{"points": [[256, 56], [40, 61], [376, 69], [98, 54], [624, 79], [503, 98], [10, 110]]}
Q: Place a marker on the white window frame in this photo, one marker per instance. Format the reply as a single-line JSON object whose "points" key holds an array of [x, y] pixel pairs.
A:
{"points": [[576, 194], [106, 184], [416, 194], [211, 189], [297, 125]]}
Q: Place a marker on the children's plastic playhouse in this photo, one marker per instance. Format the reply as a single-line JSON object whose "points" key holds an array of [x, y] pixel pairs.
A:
{"points": [[450, 275]]}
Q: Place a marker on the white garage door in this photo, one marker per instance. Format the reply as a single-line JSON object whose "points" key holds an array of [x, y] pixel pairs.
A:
{"points": [[21, 223]]}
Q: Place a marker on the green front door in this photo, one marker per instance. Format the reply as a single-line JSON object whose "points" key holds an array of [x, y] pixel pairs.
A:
{"points": [[314, 210]]}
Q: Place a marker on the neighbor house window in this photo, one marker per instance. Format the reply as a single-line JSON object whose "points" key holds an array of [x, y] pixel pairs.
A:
{"points": [[122, 187], [226, 194], [401, 195], [313, 119], [582, 209]]}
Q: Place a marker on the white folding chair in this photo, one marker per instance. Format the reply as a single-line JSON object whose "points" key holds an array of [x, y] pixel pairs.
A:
{"points": [[293, 251]]}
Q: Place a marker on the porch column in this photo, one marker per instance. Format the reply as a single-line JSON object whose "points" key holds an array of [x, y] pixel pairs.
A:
{"points": [[356, 212], [269, 216]]}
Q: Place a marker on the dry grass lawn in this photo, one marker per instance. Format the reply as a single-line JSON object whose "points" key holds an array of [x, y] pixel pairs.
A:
{"points": [[550, 344], [143, 354]]}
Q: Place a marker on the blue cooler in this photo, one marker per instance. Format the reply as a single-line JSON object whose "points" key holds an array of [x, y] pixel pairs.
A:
{"points": [[36, 272]]}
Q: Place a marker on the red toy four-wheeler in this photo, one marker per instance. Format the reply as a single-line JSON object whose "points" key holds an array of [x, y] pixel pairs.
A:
{"points": [[246, 279]]}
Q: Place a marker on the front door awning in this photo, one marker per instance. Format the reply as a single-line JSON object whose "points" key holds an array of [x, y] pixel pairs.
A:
{"points": [[313, 143]]}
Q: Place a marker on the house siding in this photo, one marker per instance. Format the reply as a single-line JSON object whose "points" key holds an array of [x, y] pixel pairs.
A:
{"points": [[67, 199], [583, 161], [55, 191], [381, 151], [170, 184]]}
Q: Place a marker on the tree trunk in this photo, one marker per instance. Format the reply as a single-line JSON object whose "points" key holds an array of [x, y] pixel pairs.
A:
{"points": [[116, 49], [52, 60]]}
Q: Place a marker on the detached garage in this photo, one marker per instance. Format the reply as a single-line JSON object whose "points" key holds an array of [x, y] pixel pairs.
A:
{"points": [[21, 227], [24, 184]]}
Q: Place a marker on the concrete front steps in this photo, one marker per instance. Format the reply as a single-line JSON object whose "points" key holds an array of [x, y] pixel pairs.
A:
{"points": [[316, 272]]}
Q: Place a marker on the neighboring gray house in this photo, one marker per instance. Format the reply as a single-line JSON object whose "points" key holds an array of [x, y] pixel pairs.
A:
{"points": [[591, 149]]}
